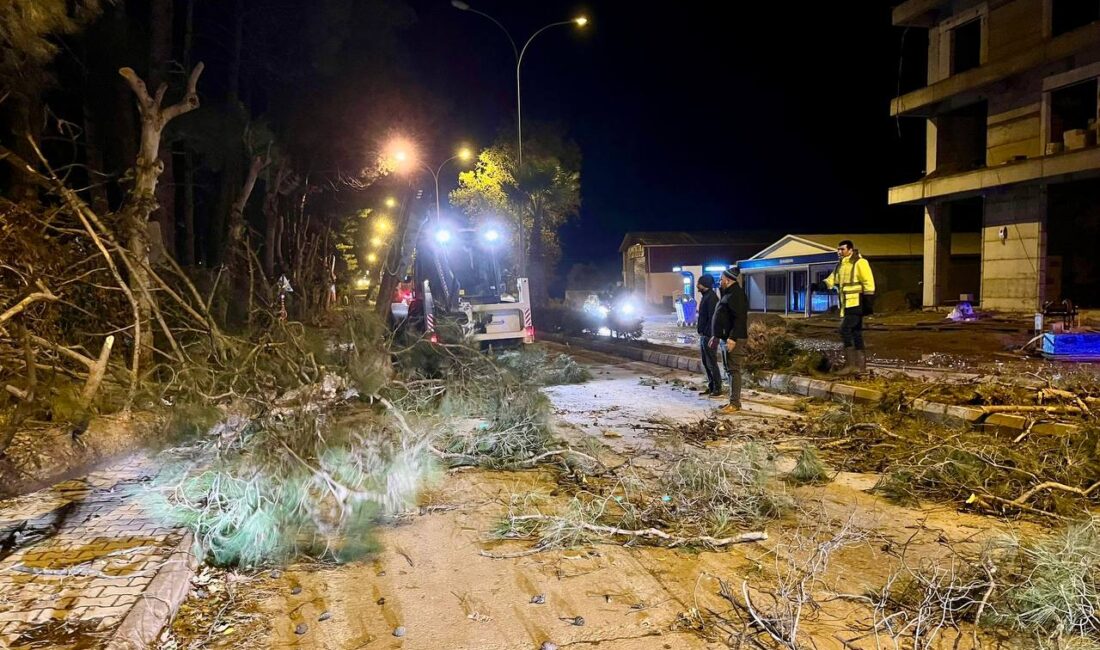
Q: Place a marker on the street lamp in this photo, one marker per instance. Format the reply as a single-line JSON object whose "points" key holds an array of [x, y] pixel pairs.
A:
{"points": [[400, 151], [464, 154], [391, 202], [579, 21]]}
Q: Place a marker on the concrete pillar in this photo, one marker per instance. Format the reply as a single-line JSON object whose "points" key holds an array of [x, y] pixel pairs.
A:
{"points": [[937, 254], [1013, 249]]}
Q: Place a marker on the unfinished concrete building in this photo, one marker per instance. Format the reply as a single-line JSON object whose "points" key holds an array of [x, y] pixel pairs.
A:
{"points": [[1011, 106]]}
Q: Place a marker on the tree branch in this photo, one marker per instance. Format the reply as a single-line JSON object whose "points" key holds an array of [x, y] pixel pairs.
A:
{"points": [[43, 294]]}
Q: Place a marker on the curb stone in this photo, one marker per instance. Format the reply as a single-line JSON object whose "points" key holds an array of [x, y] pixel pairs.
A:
{"points": [[810, 387], [159, 602]]}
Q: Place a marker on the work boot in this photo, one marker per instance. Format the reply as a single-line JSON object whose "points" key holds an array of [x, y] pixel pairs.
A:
{"points": [[849, 363], [861, 362], [729, 409]]}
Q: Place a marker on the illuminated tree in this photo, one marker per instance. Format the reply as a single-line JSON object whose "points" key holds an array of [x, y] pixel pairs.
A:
{"points": [[542, 196]]}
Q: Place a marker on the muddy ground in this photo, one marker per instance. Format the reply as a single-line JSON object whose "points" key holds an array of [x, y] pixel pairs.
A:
{"points": [[431, 586], [904, 339]]}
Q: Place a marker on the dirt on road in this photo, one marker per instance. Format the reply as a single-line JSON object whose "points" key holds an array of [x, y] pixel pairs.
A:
{"points": [[432, 585]]}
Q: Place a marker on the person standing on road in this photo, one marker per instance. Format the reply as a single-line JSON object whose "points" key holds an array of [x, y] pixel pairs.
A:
{"points": [[730, 334], [703, 323], [855, 286]]}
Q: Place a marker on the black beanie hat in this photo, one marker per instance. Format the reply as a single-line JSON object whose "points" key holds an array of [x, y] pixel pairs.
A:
{"points": [[731, 273], [707, 281]]}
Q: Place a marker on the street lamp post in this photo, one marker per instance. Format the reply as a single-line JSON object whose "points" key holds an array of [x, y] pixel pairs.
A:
{"points": [[580, 21], [464, 155]]}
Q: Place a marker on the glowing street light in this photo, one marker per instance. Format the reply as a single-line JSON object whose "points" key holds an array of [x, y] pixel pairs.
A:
{"points": [[580, 22], [443, 236], [464, 154], [391, 202], [492, 235], [372, 258], [382, 224], [399, 154], [376, 241]]}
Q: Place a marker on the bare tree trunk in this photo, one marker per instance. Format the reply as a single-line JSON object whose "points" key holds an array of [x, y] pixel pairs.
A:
{"points": [[238, 227], [237, 259], [271, 223], [276, 188], [142, 201]]}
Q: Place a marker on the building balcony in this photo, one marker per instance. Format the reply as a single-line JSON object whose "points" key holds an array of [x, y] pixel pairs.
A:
{"points": [[1056, 168], [917, 13], [970, 86]]}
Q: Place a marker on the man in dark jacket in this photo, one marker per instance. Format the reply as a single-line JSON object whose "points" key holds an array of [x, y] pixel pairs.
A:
{"points": [[703, 322], [730, 333]]}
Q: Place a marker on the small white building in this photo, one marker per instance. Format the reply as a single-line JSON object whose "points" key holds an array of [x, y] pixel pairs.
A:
{"points": [[778, 278]]}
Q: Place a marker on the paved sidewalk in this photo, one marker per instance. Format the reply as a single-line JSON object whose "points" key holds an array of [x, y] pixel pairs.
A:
{"points": [[76, 558]]}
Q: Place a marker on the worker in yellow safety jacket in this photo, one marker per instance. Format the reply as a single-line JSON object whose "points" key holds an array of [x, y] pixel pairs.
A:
{"points": [[855, 286]]}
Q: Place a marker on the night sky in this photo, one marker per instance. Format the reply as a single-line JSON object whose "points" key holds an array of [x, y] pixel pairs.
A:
{"points": [[760, 115]]}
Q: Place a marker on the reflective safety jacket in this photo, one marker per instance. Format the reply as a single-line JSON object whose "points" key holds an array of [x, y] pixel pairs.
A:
{"points": [[852, 278]]}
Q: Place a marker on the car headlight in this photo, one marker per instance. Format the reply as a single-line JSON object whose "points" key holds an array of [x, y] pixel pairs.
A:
{"points": [[603, 310], [628, 309]]}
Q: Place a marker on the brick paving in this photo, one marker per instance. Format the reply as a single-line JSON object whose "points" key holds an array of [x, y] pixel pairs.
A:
{"points": [[76, 557]]}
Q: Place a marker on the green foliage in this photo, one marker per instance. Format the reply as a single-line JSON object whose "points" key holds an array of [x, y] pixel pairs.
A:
{"points": [[770, 347], [290, 484], [532, 365], [1060, 592], [354, 350], [512, 428], [736, 483], [809, 469], [544, 194]]}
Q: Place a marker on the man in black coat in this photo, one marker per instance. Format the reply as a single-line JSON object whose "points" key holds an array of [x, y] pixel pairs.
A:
{"points": [[730, 333], [704, 320]]}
